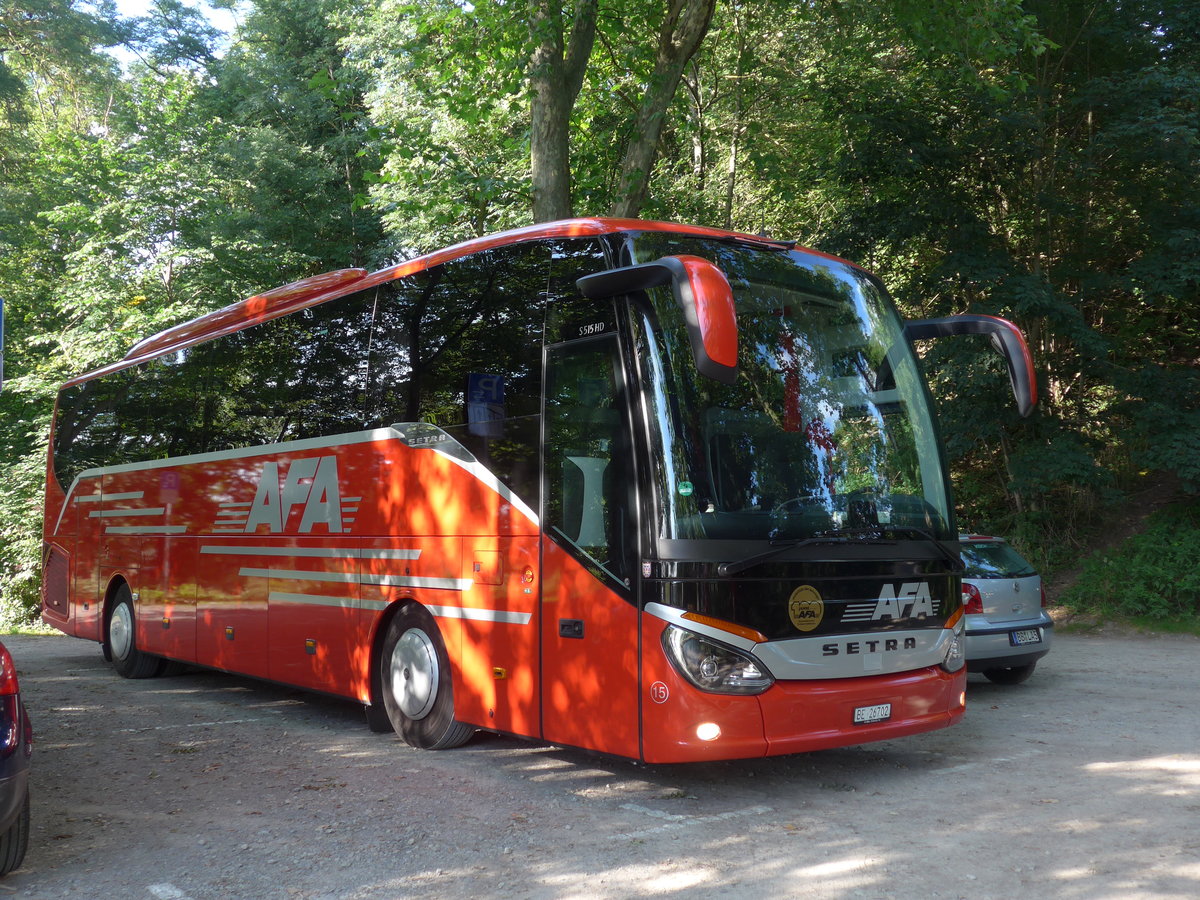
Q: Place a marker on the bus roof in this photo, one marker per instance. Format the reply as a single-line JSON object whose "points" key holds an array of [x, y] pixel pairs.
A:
{"points": [[320, 288]]}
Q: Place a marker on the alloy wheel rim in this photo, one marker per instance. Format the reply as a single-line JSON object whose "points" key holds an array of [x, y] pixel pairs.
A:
{"points": [[120, 631], [414, 673]]}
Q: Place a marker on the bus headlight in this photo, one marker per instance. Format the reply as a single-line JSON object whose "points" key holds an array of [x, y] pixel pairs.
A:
{"points": [[713, 666], [956, 656]]}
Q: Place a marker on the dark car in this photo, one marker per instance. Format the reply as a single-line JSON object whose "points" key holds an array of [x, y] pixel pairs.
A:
{"points": [[16, 746], [1008, 629]]}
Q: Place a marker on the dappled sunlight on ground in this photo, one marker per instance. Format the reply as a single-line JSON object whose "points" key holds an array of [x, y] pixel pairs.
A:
{"points": [[1182, 774]]}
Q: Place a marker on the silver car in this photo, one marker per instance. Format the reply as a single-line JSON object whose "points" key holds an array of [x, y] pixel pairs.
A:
{"points": [[1008, 628]]}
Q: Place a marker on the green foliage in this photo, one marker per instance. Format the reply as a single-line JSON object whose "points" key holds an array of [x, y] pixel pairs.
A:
{"points": [[1152, 575], [20, 526], [1038, 160]]}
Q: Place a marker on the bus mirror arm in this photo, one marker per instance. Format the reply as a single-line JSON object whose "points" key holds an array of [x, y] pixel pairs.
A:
{"points": [[704, 297], [1006, 338]]}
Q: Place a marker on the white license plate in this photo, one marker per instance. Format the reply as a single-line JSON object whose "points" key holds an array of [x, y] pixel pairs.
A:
{"points": [[1026, 636], [864, 715]]}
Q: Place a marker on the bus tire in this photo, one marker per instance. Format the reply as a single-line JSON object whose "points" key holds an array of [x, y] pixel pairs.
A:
{"points": [[416, 684], [121, 642], [1011, 675]]}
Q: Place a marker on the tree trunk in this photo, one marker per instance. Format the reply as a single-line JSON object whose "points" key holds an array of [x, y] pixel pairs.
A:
{"points": [[739, 119], [699, 108], [683, 30], [555, 79]]}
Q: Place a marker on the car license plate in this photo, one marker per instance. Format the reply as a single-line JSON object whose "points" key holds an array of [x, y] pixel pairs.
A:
{"points": [[1026, 636], [864, 715]]}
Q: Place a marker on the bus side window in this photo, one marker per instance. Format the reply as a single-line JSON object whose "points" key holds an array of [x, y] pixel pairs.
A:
{"points": [[587, 470]]}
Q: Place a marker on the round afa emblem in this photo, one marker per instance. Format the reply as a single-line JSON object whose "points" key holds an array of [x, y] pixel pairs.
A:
{"points": [[806, 609]]}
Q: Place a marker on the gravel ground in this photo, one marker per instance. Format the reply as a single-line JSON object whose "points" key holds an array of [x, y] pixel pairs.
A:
{"points": [[1082, 783]]}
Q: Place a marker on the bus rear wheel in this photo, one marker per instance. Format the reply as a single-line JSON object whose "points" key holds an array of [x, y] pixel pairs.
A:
{"points": [[416, 685], [121, 642]]}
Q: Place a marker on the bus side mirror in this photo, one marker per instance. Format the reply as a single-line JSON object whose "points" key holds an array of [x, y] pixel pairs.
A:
{"points": [[704, 295], [1006, 338]]}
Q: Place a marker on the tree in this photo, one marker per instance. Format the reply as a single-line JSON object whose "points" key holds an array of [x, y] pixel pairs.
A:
{"points": [[679, 36], [556, 75], [499, 60]]}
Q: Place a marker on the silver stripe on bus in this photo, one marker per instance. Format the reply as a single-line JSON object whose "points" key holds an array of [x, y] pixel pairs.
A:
{"points": [[334, 440], [346, 577], [95, 498], [325, 600], [857, 612], [675, 617], [865, 612], [69, 499], [146, 529], [484, 474], [481, 615], [119, 513], [498, 616], [310, 552], [437, 584], [239, 503], [312, 599]]}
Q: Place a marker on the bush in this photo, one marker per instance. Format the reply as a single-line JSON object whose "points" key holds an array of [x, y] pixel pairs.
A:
{"points": [[1154, 574]]}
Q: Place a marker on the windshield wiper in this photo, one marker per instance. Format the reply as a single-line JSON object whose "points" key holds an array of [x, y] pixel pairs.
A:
{"points": [[876, 536], [778, 548], [845, 536]]}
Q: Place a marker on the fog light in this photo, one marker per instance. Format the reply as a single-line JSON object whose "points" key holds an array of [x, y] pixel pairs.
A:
{"points": [[962, 699], [709, 731]]}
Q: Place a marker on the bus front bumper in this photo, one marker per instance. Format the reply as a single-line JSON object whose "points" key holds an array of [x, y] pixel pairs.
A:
{"points": [[796, 716]]}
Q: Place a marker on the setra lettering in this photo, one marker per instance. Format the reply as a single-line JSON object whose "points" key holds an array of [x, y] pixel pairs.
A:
{"points": [[854, 648]]}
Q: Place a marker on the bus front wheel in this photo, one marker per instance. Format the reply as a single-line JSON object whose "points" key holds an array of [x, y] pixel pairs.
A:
{"points": [[120, 640], [416, 684]]}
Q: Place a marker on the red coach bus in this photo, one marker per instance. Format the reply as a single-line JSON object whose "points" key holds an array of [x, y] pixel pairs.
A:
{"points": [[663, 492]]}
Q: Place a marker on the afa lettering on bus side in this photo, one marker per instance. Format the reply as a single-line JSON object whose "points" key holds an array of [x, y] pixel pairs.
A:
{"points": [[309, 483]]}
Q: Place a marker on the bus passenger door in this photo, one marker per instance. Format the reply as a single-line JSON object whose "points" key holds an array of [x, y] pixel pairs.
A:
{"points": [[589, 621]]}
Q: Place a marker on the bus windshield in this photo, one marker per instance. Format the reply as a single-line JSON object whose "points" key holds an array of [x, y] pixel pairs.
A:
{"points": [[828, 426]]}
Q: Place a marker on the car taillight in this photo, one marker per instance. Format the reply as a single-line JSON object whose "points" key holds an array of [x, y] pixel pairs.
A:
{"points": [[8, 674], [972, 601], [1043, 588]]}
